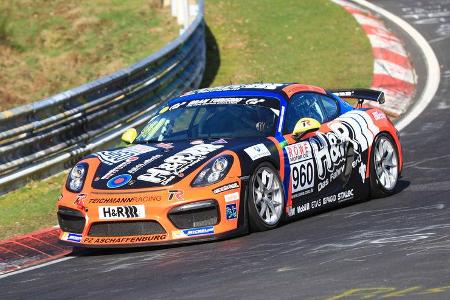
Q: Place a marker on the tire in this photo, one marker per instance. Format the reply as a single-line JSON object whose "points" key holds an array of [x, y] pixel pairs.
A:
{"points": [[265, 198], [384, 170]]}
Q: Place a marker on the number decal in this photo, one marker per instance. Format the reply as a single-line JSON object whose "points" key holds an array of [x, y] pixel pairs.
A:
{"points": [[302, 175]]}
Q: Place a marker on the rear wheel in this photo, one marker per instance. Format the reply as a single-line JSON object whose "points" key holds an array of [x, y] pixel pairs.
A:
{"points": [[384, 166], [266, 198]]}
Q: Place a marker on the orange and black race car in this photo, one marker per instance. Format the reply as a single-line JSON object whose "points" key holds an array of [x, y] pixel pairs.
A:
{"points": [[222, 161]]}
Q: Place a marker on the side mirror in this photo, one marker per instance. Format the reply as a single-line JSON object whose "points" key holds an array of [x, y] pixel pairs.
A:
{"points": [[304, 126], [129, 135]]}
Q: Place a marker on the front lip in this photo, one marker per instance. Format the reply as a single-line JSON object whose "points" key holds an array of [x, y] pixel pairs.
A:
{"points": [[192, 240]]}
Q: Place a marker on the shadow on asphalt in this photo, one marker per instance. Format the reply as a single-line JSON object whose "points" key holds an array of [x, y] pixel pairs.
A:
{"points": [[401, 185]]}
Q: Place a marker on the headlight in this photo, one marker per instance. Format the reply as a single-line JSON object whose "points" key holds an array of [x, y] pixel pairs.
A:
{"points": [[76, 177], [213, 171]]}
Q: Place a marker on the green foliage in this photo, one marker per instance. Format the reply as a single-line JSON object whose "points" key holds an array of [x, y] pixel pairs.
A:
{"points": [[31, 207]]}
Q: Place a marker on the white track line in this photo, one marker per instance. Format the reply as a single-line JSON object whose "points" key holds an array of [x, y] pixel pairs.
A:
{"points": [[36, 267], [433, 70]]}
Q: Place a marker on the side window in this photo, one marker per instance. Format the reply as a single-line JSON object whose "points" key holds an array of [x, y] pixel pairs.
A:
{"points": [[303, 105], [310, 105], [330, 107]]}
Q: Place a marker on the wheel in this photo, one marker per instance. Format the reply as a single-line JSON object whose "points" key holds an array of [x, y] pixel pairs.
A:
{"points": [[383, 166], [266, 198]]}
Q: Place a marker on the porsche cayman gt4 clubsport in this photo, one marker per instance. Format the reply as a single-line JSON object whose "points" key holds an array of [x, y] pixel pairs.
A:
{"points": [[222, 161]]}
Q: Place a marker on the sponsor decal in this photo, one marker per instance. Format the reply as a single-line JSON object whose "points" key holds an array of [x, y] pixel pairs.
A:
{"points": [[254, 101], [199, 231], [72, 237], [231, 211], [226, 187], [257, 151], [166, 146], [327, 200], [302, 166], [178, 163], [346, 195], [266, 86], [119, 167], [214, 101], [218, 101], [219, 141], [118, 181], [343, 94], [145, 198], [197, 142], [299, 152], [121, 212], [302, 193], [123, 240], [378, 115], [143, 164], [329, 152], [116, 156], [176, 195], [231, 197], [356, 128], [79, 201], [303, 208]]}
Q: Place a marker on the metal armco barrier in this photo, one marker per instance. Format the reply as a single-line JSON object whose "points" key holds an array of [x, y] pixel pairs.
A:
{"points": [[44, 137]]}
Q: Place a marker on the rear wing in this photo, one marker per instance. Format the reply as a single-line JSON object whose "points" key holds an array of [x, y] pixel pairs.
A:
{"points": [[360, 94]]}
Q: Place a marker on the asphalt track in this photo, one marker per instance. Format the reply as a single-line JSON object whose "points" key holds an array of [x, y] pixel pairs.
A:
{"points": [[395, 247]]}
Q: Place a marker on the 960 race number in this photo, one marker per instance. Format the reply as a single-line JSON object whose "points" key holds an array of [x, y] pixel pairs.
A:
{"points": [[302, 175]]}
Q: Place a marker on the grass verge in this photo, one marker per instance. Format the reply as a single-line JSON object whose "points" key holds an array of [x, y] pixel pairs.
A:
{"points": [[30, 208], [309, 41], [50, 46]]}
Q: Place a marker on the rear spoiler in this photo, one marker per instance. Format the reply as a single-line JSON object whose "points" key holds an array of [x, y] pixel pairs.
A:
{"points": [[360, 95]]}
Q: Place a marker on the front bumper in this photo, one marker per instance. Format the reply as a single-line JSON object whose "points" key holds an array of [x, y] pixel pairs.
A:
{"points": [[163, 224]]}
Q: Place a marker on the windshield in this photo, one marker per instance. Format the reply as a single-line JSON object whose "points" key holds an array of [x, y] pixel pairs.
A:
{"points": [[213, 118]]}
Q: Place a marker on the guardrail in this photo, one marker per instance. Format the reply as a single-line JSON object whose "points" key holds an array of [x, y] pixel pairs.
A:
{"points": [[44, 137]]}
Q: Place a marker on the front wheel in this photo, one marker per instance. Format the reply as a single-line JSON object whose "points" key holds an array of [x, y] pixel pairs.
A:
{"points": [[266, 198], [384, 166]]}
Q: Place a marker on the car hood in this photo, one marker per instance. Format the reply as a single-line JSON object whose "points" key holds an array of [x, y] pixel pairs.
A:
{"points": [[158, 164]]}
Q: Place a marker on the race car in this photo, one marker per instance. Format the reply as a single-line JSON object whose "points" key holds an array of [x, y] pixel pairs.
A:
{"points": [[224, 161]]}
